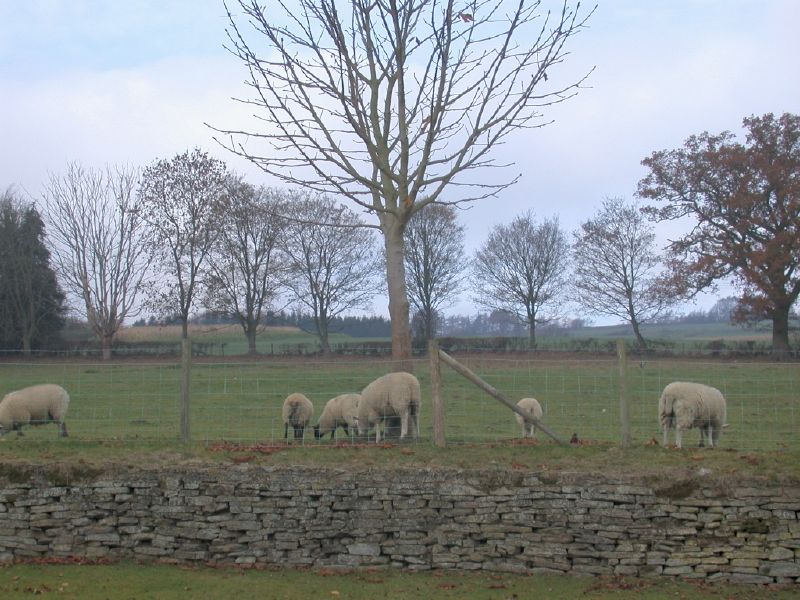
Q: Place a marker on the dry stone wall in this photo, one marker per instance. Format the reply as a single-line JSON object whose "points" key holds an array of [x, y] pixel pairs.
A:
{"points": [[420, 519]]}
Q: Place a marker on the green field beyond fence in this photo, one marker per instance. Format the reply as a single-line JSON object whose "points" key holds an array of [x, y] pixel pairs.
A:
{"points": [[241, 401]]}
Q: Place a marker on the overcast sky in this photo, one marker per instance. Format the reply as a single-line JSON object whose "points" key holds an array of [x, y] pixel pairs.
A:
{"points": [[130, 81]]}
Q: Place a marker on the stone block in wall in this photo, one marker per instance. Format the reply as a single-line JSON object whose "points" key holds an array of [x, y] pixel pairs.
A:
{"points": [[781, 569]]}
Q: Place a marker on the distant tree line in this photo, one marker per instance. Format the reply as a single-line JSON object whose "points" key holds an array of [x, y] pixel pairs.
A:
{"points": [[186, 236]]}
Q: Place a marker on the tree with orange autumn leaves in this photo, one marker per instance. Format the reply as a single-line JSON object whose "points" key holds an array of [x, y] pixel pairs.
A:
{"points": [[744, 200]]}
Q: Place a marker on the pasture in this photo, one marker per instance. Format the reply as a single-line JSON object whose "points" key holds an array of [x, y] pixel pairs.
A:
{"points": [[239, 401]]}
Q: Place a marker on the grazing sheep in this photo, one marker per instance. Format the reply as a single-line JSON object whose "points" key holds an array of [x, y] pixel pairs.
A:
{"points": [[34, 405], [684, 405], [531, 407], [297, 412], [341, 411], [393, 395]]}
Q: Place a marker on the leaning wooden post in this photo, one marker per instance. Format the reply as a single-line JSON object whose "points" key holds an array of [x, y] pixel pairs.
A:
{"points": [[624, 403], [469, 375], [186, 367], [436, 395]]}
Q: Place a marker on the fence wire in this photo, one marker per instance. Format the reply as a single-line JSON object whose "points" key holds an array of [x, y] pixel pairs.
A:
{"points": [[241, 401]]}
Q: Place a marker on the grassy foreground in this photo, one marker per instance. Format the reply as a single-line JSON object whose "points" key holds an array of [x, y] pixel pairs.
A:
{"points": [[131, 580]]}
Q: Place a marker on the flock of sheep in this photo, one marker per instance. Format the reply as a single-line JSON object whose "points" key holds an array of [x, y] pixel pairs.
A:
{"points": [[393, 401]]}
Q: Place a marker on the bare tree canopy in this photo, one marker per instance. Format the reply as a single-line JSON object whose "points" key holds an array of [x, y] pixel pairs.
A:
{"points": [[617, 269], [183, 201], [435, 261], [333, 260], [389, 102], [521, 270], [246, 266], [96, 228], [745, 202]]}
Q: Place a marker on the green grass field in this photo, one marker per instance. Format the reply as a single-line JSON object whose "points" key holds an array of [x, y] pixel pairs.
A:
{"points": [[165, 582], [241, 401]]}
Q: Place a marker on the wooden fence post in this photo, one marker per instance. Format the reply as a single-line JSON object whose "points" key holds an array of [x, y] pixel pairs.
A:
{"points": [[436, 395], [186, 369], [624, 402]]}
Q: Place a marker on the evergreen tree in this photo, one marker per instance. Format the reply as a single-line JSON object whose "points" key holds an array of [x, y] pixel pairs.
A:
{"points": [[32, 310]]}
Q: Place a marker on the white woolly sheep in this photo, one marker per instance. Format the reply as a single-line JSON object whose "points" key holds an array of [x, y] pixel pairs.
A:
{"points": [[391, 396], [34, 405], [341, 411], [531, 407], [684, 405], [297, 412]]}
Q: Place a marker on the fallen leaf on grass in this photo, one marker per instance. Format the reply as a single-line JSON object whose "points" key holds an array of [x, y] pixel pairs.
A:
{"points": [[697, 457]]}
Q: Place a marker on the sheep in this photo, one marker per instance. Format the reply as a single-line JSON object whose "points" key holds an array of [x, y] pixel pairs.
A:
{"points": [[297, 412], [34, 405], [531, 407], [684, 405], [390, 396], [341, 411]]}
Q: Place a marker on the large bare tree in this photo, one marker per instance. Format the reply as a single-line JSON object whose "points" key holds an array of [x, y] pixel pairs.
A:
{"points": [[521, 270], [183, 201], [96, 228], [246, 267], [435, 261], [388, 102], [617, 268], [333, 260]]}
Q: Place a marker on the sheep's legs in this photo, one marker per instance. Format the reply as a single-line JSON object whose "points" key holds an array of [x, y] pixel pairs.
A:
{"points": [[62, 429], [678, 436], [404, 425], [666, 436], [715, 437]]}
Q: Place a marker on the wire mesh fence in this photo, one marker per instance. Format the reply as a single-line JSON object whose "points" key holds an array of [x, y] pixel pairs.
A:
{"points": [[242, 401]]}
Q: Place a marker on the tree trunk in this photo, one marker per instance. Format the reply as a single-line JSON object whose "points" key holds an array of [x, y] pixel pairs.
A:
{"points": [[780, 333], [106, 343], [532, 335], [396, 285], [250, 333], [323, 341], [430, 326], [26, 343], [186, 379], [640, 341]]}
